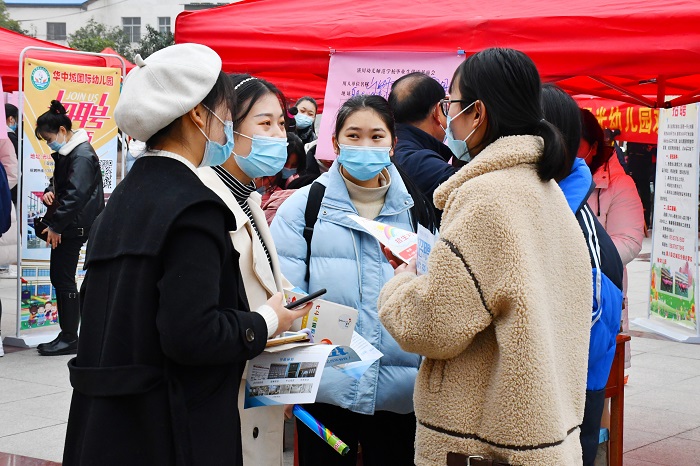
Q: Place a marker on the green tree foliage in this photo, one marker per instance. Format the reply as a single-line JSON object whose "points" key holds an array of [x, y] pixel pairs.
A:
{"points": [[95, 37], [7, 22], [154, 41]]}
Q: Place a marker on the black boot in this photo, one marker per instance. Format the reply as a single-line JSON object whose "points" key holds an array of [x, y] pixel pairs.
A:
{"points": [[43, 346], [61, 347], [68, 318]]}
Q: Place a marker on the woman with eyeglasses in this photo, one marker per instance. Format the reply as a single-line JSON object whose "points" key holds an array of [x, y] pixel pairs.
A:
{"points": [[346, 260], [503, 315]]}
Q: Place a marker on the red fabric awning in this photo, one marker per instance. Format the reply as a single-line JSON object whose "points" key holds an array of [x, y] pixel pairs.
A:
{"points": [[623, 49], [114, 62], [11, 46]]}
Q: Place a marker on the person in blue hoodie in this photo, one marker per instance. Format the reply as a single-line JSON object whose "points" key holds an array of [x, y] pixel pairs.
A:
{"points": [[562, 111], [349, 262]]}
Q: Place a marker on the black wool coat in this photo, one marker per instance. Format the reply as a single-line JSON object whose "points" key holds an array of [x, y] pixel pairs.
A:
{"points": [[166, 330]]}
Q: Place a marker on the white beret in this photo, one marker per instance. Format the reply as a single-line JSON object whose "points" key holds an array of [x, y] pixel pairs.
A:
{"points": [[165, 86]]}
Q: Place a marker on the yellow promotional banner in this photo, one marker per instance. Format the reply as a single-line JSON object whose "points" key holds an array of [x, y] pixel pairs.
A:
{"points": [[89, 95]]}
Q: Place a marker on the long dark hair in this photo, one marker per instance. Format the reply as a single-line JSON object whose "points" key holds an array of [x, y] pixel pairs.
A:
{"points": [[508, 84], [51, 121], [592, 133], [561, 110], [422, 211], [221, 93], [249, 90]]}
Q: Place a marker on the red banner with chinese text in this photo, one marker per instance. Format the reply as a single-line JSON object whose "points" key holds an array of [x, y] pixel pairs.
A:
{"points": [[636, 123]]}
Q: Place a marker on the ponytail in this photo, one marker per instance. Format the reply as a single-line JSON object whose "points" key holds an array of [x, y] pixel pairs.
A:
{"points": [[553, 164], [51, 121]]}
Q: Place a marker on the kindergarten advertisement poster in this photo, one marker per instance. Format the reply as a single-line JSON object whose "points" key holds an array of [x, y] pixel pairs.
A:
{"points": [[89, 95]]}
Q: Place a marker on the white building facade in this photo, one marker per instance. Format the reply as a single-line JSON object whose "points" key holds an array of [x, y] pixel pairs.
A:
{"points": [[55, 20]]}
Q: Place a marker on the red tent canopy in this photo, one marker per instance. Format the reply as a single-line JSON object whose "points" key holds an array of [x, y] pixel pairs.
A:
{"points": [[11, 46], [115, 62], [622, 49]]}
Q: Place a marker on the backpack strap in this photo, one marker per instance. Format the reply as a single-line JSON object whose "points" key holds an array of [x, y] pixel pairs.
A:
{"points": [[313, 206]]}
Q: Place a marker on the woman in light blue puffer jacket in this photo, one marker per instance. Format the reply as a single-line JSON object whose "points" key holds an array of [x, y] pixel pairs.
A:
{"points": [[350, 264]]}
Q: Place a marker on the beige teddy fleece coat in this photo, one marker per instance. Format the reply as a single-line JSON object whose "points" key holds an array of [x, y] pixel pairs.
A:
{"points": [[503, 316]]}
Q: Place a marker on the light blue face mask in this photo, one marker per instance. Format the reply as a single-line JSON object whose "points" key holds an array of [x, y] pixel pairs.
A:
{"points": [[459, 146], [303, 121], [363, 162], [55, 145], [267, 156], [288, 173], [215, 153], [13, 128]]}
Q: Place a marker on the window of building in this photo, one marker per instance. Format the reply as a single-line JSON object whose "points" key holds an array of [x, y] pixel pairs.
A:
{"points": [[132, 28], [164, 24], [56, 31]]}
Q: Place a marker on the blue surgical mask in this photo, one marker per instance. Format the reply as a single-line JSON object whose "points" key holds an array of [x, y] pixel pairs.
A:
{"points": [[363, 162], [215, 153], [303, 121], [267, 156], [288, 173], [13, 128], [458, 146], [55, 145]]}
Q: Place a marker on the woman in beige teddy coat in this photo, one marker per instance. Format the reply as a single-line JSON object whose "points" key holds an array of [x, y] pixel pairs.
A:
{"points": [[503, 315]]}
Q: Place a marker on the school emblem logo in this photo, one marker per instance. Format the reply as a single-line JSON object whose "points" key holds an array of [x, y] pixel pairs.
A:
{"points": [[41, 78]]}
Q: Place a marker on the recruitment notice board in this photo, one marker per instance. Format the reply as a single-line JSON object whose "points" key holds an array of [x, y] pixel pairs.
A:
{"points": [[372, 73], [674, 260]]}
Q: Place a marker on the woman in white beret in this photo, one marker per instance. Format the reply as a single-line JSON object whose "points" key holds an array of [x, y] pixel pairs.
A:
{"points": [[166, 326]]}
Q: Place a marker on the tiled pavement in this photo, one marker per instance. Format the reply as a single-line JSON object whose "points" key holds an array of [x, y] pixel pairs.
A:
{"points": [[662, 412]]}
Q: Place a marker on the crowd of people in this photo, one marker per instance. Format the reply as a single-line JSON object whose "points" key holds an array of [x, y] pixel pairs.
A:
{"points": [[498, 355]]}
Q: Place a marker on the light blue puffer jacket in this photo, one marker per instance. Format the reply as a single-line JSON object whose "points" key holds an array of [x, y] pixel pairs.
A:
{"points": [[349, 263]]}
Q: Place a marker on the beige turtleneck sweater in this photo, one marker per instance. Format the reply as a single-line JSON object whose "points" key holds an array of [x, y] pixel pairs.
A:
{"points": [[368, 201]]}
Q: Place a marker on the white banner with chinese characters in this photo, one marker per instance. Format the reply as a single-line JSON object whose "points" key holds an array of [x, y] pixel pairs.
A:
{"points": [[674, 259], [359, 73]]}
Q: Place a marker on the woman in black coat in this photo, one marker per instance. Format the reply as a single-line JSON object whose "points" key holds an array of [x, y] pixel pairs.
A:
{"points": [[166, 327], [74, 198]]}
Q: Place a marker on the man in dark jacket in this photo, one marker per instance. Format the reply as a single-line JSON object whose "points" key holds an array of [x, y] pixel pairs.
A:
{"points": [[420, 128], [562, 111]]}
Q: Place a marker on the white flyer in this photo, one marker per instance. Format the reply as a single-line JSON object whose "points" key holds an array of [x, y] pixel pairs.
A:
{"points": [[328, 322], [291, 373], [426, 241], [402, 243]]}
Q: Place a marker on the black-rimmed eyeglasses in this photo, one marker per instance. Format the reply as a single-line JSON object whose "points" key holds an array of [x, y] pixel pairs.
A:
{"points": [[445, 105]]}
